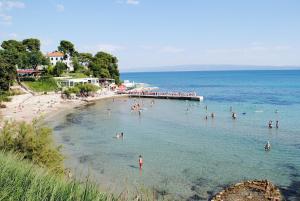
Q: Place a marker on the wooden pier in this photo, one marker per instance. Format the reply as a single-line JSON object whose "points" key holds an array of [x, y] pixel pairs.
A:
{"points": [[165, 95]]}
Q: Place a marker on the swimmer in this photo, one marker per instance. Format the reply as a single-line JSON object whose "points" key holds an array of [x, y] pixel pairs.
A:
{"points": [[206, 107], [140, 112], [206, 117], [212, 115], [234, 115], [270, 124], [277, 124], [268, 146], [140, 161]]}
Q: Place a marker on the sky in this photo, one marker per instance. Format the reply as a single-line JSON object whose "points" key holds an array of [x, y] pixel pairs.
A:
{"points": [[154, 33]]}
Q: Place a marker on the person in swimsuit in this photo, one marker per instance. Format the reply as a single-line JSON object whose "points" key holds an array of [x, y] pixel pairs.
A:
{"points": [[140, 161]]}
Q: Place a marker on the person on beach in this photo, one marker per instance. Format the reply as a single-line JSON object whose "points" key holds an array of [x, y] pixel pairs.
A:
{"points": [[267, 146], [277, 124], [270, 124], [140, 161]]}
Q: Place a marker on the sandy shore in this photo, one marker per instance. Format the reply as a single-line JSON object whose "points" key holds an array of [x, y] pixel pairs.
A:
{"points": [[26, 107]]}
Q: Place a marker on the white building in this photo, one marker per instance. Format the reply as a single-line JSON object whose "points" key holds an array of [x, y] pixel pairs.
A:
{"points": [[59, 57], [69, 82]]}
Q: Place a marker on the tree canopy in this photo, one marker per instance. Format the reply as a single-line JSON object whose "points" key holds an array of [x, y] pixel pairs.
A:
{"points": [[105, 65], [24, 54], [66, 47]]}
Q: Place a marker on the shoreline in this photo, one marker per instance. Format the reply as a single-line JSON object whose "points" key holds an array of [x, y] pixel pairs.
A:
{"points": [[27, 107]]}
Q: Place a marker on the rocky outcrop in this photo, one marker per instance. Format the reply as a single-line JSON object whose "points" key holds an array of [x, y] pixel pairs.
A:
{"points": [[256, 190]]}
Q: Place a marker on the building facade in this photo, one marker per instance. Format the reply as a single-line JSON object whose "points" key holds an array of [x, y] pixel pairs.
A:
{"points": [[60, 57]]}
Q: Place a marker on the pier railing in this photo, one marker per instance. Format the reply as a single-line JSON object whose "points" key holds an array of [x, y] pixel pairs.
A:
{"points": [[150, 93]]}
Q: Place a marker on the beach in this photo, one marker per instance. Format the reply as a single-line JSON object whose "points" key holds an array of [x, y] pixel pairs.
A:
{"points": [[26, 107]]}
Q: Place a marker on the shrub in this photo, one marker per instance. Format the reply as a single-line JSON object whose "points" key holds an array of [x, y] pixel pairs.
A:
{"points": [[71, 90], [34, 142], [87, 88], [20, 180]]}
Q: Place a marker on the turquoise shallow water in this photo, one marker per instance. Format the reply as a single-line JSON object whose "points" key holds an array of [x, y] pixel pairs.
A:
{"points": [[184, 154]]}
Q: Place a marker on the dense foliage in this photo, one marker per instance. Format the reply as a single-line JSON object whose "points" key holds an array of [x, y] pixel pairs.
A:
{"points": [[20, 180], [7, 71], [33, 142], [81, 90], [24, 54], [105, 65]]}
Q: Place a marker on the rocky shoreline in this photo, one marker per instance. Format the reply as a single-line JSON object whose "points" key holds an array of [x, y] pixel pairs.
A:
{"points": [[256, 190]]}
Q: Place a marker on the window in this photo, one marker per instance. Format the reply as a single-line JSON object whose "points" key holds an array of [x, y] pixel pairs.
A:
{"points": [[51, 58], [56, 58]]}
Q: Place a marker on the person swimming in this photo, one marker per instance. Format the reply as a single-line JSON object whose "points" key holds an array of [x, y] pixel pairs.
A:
{"points": [[140, 162], [277, 124], [212, 115], [268, 146]]}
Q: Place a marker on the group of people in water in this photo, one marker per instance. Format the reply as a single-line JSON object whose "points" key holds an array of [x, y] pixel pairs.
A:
{"points": [[270, 124], [234, 116]]}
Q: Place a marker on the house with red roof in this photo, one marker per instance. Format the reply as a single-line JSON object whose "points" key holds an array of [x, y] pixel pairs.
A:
{"points": [[57, 56]]}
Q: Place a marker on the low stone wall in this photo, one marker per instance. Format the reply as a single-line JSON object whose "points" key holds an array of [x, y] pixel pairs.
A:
{"points": [[256, 190]]}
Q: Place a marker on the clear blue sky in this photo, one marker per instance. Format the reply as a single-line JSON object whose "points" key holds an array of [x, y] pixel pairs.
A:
{"points": [[146, 33]]}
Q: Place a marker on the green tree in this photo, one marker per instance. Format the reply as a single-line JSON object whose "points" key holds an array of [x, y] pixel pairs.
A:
{"points": [[25, 54], [105, 65], [32, 44], [13, 45], [67, 48], [7, 72], [59, 68], [85, 58]]}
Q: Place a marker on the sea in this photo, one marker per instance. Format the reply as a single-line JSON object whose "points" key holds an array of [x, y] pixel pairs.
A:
{"points": [[186, 156]]}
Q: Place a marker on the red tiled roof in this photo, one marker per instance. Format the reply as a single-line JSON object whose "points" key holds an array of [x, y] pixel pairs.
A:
{"points": [[27, 71], [55, 54]]}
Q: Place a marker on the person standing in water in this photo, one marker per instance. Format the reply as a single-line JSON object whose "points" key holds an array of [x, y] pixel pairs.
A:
{"points": [[140, 161], [277, 124], [270, 124]]}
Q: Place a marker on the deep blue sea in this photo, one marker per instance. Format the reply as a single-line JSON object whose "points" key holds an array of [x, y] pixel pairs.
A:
{"points": [[185, 155]]}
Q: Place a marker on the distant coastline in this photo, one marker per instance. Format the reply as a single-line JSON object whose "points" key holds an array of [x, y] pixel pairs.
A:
{"points": [[209, 67]]}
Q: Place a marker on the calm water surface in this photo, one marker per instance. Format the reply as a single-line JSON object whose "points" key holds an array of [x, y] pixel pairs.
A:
{"points": [[184, 154]]}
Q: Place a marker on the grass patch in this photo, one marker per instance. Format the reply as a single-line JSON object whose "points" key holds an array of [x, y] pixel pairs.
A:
{"points": [[75, 75], [20, 180], [42, 85]]}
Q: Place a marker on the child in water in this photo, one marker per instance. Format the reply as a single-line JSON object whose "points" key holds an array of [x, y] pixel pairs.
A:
{"points": [[140, 161]]}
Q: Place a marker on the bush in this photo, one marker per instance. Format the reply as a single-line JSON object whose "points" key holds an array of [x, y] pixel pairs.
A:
{"points": [[4, 96], [20, 180], [33, 142], [87, 88], [71, 90]]}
